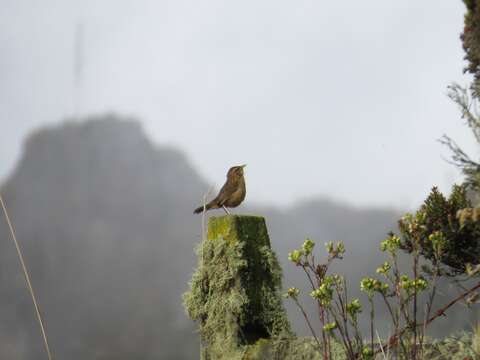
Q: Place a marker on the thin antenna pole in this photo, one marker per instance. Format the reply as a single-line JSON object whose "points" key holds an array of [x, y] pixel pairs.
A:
{"points": [[78, 68], [27, 279]]}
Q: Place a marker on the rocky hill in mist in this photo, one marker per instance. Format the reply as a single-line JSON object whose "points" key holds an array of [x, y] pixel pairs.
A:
{"points": [[105, 220]]}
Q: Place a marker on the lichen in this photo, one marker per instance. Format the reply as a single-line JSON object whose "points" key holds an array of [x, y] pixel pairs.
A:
{"points": [[235, 291]]}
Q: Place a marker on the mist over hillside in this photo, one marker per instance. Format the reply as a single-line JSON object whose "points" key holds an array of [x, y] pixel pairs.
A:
{"points": [[105, 220]]}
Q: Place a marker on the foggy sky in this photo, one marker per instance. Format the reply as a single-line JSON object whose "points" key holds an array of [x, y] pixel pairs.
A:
{"points": [[320, 98]]}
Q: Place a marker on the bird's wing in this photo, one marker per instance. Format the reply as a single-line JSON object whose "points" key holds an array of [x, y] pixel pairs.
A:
{"points": [[225, 192]]}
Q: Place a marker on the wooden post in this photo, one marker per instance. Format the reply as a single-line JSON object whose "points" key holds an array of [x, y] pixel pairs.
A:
{"points": [[235, 291]]}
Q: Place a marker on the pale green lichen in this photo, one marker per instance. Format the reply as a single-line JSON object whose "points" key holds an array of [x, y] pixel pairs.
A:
{"points": [[235, 291]]}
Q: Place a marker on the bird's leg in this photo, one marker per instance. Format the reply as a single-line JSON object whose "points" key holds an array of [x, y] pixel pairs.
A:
{"points": [[224, 208]]}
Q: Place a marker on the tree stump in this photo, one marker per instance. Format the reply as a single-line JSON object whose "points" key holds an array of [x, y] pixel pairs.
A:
{"points": [[235, 291]]}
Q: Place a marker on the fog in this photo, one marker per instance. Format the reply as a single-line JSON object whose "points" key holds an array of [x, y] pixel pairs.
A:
{"points": [[117, 117], [310, 91]]}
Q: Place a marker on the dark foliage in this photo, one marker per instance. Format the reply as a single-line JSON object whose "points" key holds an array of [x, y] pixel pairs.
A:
{"points": [[471, 37], [438, 214]]}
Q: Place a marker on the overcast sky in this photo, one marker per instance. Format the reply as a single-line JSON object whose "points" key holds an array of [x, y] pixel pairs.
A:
{"points": [[344, 99]]}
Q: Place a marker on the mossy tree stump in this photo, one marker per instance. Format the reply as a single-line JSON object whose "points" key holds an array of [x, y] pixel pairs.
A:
{"points": [[235, 291]]}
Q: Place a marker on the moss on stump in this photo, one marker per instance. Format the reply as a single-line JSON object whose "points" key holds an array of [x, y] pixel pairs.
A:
{"points": [[235, 291]]}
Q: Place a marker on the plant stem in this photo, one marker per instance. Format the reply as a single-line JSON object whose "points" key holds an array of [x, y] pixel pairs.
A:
{"points": [[372, 317], [393, 339], [308, 323], [27, 279]]}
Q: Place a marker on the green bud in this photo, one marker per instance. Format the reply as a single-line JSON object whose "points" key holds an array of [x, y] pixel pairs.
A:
{"points": [[390, 244], [409, 285], [324, 293], [307, 246], [292, 293], [354, 307], [295, 256], [366, 284], [420, 284], [329, 247], [437, 238], [330, 327], [367, 353], [384, 269], [370, 285]]}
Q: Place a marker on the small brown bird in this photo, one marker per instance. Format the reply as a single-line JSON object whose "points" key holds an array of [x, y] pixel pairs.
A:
{"points": [[231, 194]]}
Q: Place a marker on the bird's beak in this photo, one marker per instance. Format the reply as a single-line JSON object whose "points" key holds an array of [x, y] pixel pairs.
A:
{"points": [[242, 166]]}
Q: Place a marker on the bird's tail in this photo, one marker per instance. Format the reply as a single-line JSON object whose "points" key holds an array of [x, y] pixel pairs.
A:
{"points": [[200, 208]]}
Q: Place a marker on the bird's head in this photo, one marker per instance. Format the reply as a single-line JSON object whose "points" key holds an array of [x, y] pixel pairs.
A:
{"points": [[235, 172]]}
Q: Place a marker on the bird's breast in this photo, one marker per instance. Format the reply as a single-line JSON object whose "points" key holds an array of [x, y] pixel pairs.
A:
{"points": [[238, 195]]}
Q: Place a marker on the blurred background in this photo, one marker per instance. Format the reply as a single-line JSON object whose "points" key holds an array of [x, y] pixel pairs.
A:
{"points": [[118, 116]]}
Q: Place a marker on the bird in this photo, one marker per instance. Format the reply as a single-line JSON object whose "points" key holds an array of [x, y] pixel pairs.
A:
{"points": [[231, 194]]}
